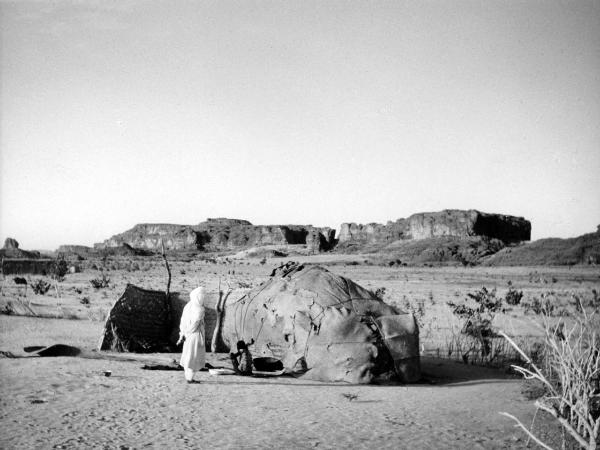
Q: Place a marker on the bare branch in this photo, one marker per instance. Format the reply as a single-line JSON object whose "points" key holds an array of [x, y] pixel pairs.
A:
{"points": [[564, 422], [524, 428]]}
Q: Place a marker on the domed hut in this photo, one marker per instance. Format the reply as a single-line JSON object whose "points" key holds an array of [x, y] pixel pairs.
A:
{"points": [[326, 325]]}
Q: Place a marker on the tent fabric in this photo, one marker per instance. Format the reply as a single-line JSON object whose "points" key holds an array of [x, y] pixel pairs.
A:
{"points": [[139, 318], [139, 322], [308, 317]]}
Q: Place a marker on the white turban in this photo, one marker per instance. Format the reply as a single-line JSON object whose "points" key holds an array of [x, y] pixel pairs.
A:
{"points": [[192, 318]]}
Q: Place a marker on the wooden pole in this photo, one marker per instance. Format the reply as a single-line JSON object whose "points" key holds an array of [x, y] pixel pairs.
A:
{"points": [[167, 266], [216, 343]]}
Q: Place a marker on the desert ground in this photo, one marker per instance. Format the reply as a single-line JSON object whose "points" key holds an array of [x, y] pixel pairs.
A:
{"points": [[68, 402]]}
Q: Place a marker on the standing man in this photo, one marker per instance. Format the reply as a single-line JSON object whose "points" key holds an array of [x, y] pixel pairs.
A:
{"points": [[191, 333]]}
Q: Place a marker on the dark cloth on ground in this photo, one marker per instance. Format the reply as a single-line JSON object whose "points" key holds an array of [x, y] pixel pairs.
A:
{"points": [[267, 364]]}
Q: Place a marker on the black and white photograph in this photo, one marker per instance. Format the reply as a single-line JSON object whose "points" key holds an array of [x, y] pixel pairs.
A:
{"points": [[300, 224]]}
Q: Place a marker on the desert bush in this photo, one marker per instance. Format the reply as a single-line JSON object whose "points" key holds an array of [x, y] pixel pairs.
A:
{"points": [[477, 316], [540, 306], [40, 286], [571, 377], [7, 309], [85, 301], [479, 313], [100, 283], [513, 297], [380, 293]]}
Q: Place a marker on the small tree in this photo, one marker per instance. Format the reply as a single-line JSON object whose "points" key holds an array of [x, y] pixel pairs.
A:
{"points": [[59, 269]]}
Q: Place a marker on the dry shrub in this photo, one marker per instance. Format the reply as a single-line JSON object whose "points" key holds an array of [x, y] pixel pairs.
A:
{"points": [[100, 283], [513, 297], [7, 309], [477, 315], [571, 377], [40, 286], [545, 305]]}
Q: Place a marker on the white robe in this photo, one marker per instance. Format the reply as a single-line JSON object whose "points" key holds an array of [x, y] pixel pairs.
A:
{"points": [[192, 327]]}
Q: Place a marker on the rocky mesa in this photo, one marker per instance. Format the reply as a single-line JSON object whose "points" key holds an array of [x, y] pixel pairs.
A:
{"points": [[220, 234], [446, 223]]}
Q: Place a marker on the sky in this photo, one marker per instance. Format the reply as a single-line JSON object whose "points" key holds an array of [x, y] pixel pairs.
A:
{"points": [[114, 113]]}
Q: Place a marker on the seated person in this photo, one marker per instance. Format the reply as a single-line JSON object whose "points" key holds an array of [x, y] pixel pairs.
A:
{"points": [[244, 365]]}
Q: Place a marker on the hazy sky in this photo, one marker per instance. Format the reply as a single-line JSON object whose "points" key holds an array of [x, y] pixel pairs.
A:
{"points": [[306, 112]]}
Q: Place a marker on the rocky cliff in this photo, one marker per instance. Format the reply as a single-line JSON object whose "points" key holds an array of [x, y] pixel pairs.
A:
{"points": [[221, 234], [150, 236], [450, 222], [100, 251], [11, 250], [231, 234]]}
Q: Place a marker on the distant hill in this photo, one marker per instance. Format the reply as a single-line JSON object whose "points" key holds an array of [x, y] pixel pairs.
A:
{"points": [[445, 250], [481, 250], [550, 252]]}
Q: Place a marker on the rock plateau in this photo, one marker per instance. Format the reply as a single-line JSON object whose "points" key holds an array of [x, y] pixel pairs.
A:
{"points": [[221, 234], [449, 222]]}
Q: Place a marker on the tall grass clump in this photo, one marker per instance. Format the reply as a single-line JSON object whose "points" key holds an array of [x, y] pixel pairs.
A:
{"points": [[570, 373]]}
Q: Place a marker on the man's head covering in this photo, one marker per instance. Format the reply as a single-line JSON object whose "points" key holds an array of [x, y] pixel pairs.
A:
{"points": [[192, 318], [197, 297]]}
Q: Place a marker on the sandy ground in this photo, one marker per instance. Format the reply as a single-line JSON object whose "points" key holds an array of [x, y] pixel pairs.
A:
{"points": [[69, 403]]}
